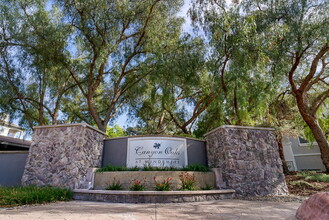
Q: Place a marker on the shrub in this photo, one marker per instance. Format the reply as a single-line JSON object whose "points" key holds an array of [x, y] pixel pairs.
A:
{"points": [[23, 195], [188, 181], [112, 168], [150, 168], [137, 185], [192, 167], [305, 173], [115, 185], [320, 177], [207, 187], [196, 167], [314, 176], [164, 185]]}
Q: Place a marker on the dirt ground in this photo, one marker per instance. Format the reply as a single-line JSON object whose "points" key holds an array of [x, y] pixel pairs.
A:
{"points": [[304, 189]]}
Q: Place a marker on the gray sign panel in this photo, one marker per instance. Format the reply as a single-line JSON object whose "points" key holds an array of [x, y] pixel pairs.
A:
{"points": [[156, 152]]}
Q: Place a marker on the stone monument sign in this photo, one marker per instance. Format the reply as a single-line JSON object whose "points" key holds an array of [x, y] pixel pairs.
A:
{"points": [[157, 152]]}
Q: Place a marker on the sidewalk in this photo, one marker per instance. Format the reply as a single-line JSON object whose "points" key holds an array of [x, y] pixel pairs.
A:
{"points": [[220, 209]]}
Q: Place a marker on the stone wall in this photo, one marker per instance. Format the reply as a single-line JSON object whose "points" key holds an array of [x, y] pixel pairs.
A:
{"points": [[104, 179], [248, 158], [60, 155]]}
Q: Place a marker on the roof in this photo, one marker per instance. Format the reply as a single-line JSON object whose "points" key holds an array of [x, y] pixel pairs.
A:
{"points": [[5, 123], [4, 140]]}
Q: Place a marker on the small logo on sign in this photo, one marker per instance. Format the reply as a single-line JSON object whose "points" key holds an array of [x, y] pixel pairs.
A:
{"points": [[156, 145]]}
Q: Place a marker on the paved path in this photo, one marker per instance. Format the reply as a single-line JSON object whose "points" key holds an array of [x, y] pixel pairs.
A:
{"points": [[222, 209]]}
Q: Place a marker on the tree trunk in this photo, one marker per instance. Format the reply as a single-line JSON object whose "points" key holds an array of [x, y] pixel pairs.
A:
{"points": [[322, 142], [284, 164], [316, 130]]}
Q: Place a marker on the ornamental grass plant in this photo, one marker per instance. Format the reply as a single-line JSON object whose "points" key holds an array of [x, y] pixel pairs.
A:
{"points": [[25, 195]]}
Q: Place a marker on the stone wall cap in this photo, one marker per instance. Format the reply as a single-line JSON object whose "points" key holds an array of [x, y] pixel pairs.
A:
{"points": [[119, 192], [70, 125], [240, 127], [155, 135]]}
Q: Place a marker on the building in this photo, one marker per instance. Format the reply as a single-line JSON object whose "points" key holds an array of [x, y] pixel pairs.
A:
{"points": [[13, 153], [301, 155], [10, 130], [11, 136]]}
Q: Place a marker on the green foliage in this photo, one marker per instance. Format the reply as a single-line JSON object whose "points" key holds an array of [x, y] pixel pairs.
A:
{"points": [[150, 168], [188, 181], [181, 92], [207, 187], [192, 167], [115, 131], [115, 185], [196, 167], [323, 120], [164, 185], [16, 196], [33, 84], [244, 89], [137, 185], [303, 184], [111, 168], [80, 60], [314, 176]]}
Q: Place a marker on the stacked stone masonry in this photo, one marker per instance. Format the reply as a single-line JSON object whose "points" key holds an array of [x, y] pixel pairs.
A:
{"points": [[152, 196], [60, 155], [249, 160]]}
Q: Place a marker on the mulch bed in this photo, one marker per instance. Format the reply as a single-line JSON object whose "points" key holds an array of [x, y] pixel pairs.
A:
{"points": [[305, 190]]}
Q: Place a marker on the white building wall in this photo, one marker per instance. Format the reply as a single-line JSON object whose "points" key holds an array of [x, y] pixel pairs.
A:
{"points": [[302, 156], [288, 154]]}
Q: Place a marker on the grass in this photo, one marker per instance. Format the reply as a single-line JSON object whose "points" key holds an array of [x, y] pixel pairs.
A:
{"points": [[303, 184], [192, 167], [16, 196], [314, 176]]}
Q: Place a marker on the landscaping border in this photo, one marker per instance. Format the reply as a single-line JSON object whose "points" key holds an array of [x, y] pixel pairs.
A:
{"points": [[152, 196]]}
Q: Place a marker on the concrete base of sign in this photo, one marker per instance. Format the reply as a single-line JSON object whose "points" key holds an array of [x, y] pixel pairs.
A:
{"points": [[151, 196], [104, 179]]}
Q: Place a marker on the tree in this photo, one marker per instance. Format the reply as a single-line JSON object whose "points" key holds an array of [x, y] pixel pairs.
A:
{"points": [[32, 86], [296, 33], [115, 131], [245, 89], [108, 47], [182, 90]]}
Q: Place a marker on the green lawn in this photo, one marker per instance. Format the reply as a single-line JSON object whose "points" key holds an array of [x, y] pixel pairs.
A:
{"points": [[16, 196]]}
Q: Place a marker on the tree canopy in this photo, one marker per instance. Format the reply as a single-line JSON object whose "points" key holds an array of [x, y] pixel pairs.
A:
{"points": [[250, 63]]}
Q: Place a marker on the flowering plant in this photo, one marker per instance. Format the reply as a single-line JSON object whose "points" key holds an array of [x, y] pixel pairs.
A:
{"points": [[164, 185], [138, 185], [188, 181]]}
